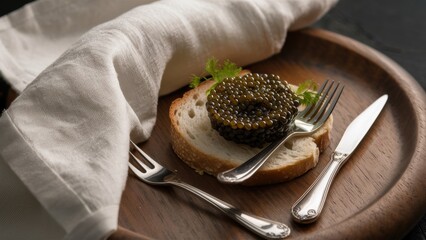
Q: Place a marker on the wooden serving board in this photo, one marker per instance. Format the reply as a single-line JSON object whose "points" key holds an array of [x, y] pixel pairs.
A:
{"points": [[379, 194]]}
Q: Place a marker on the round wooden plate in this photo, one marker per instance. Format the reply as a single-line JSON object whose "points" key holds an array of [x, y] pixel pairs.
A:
{"points": [[380, 193]]}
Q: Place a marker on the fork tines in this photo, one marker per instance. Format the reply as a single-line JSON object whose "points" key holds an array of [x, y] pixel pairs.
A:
{"points": [[329, 94], [145, 156]]}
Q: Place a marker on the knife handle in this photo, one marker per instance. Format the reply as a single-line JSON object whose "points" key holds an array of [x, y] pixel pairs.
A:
{"points": [[309, 206]]}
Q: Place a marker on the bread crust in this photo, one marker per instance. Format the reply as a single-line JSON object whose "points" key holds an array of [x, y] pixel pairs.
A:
{"points": [[202, 161]]}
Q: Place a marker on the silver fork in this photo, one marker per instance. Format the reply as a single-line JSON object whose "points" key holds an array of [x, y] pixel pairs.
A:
{"points": [[159, 175], [306, 122]]}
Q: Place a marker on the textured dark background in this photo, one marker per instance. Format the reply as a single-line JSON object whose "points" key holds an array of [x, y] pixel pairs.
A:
{"points": [[396, 28]]}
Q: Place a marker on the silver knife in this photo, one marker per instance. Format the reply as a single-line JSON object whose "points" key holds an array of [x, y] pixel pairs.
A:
{"points": [[309, 206]]}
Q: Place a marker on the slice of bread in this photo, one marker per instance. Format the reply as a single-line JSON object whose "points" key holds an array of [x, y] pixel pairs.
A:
{"points": [[202, 148]]}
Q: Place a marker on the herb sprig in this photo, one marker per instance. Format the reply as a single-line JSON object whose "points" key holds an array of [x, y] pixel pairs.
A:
{"points": [[217, 71], [306, 91]]}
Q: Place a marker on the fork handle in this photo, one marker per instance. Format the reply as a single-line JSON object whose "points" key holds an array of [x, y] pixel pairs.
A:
{"points": [[248, 168], [308, 207], [261, 226]]}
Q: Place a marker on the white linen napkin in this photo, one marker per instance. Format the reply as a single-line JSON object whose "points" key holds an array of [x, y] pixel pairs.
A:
{"points": [[85, 91]]}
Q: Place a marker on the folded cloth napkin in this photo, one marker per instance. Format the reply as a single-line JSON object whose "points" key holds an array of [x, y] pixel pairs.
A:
{"points": [[85, 91]]}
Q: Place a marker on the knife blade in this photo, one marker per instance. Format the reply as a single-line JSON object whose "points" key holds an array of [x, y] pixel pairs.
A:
{"points": [[308, 207]]}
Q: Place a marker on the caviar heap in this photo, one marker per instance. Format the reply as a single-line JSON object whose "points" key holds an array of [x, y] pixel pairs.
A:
{"points": [[252, 109]]}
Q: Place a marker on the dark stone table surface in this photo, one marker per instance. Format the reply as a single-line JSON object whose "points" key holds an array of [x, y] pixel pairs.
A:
{"points": [[396, 28]]}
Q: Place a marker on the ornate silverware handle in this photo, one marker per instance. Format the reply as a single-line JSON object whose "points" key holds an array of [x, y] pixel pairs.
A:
{"points": [[309, 206], [263, 227]]}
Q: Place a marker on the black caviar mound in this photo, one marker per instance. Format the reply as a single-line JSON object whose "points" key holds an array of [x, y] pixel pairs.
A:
{"points": [[252, 109]]}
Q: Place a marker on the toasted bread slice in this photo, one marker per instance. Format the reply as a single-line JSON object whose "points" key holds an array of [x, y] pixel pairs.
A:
{"points": [[201, 147]]}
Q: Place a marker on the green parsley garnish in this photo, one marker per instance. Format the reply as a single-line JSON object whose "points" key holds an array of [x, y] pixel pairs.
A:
{"points": [[306, 91], [217, 71]]}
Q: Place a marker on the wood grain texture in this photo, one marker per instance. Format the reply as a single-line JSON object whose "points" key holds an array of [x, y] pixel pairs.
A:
{"points": [[379, 193]]}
